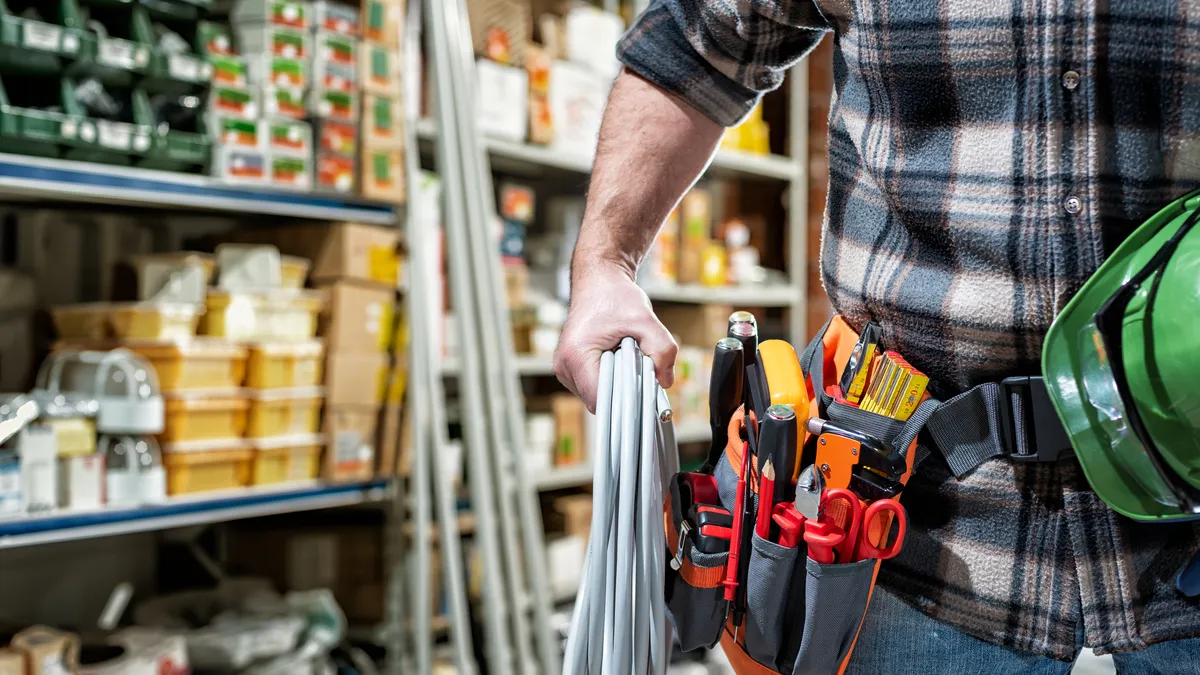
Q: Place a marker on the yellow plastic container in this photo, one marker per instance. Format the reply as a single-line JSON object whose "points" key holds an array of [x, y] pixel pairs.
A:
{"points": [[144, 320], [273, 365], [286, 314], [284, 412], [204, 466], [200, 363], [293, 271], [192, 416], [286, 459]]}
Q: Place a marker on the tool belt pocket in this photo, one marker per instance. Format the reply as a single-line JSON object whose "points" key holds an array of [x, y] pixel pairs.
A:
{"points": [[770, 581], [696, 521], [835, 599]]}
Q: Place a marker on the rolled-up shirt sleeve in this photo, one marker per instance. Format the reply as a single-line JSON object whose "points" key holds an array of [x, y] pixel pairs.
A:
{"points": [[721, 56]]}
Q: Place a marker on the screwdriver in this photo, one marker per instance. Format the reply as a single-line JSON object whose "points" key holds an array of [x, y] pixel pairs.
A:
{"points": [[724, 395], [777, 444], [744, 328]]}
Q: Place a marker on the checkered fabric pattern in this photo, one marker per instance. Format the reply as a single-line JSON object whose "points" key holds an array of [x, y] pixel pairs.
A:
{"points": [[984, 158]]}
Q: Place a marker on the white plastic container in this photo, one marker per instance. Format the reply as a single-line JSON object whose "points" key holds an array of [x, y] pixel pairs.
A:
{"points": [[134, 473], [123, 384]]}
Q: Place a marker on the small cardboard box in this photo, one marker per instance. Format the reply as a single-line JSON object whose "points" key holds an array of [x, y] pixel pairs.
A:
{"points": [[365, 253], [355, 379], [379, 70], [48, 651], [351, 452], [382, 20], [383, 122], [576, 513], [383, 175], [503, 98], [359, 318], [335, 173], [569, 411]]}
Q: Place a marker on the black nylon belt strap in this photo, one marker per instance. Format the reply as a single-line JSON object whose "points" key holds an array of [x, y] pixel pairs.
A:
{"points": [[1013, 418]]}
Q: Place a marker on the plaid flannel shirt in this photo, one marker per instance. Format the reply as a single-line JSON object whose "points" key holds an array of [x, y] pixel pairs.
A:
{"points": [[983, 156]]}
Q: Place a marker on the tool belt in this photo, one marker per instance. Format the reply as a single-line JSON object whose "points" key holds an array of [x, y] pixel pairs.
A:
{"points": [[803, 616], [1013, 418]]}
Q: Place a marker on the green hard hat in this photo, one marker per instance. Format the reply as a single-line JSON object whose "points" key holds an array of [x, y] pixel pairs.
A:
{"points": [[1122, 366]]}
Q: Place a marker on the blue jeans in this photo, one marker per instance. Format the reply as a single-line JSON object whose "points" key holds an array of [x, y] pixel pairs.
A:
{"points": [[898, 639]]}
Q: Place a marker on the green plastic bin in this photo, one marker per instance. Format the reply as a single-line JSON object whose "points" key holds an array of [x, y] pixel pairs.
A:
{"points": [[124, 55], [44, 47]]}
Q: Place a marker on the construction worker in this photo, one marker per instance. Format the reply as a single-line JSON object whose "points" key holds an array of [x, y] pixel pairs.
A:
{"points": [[984, 160]]}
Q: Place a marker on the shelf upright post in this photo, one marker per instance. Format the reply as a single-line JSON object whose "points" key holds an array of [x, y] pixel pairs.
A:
{"points": [[475, 420]]}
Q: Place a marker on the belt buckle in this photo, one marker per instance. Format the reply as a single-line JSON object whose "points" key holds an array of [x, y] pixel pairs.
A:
{"points": [[1042, 430]]}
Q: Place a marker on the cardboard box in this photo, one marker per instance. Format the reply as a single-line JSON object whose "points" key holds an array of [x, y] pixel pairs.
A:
{"points": [[366, 253], [383, 122], [355, 379], [577, 99], [48, 651], [570, 446], [351, 452], [382, 174], [379, 70], [591, 39], [503, 100], [696, 325], [516, 283], [359, 317], [381, 21], [500, 29], [695, 212], [576, 513], [12, 662]]}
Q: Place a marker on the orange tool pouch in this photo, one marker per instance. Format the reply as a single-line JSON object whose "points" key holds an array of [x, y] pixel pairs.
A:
{"points": [[802, 617]]}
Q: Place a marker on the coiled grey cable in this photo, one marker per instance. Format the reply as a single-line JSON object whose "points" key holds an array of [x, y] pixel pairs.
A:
{"points": [[619, 623]]}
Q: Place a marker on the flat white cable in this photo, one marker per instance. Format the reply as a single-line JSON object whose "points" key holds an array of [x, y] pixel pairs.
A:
{"points": [[618, 625]]}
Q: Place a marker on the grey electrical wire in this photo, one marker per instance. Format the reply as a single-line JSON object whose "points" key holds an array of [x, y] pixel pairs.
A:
{"points": [[618, 626]]}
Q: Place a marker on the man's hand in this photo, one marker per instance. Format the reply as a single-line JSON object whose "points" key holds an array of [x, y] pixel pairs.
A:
{"points": [[606, 306]]}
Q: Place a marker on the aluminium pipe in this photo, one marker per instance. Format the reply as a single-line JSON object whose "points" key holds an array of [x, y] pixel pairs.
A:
{"points": [[619, 622]]}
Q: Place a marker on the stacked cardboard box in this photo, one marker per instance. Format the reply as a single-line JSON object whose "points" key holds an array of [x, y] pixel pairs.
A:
{"points": [[357, 267], [335, 98], [379, 77]]}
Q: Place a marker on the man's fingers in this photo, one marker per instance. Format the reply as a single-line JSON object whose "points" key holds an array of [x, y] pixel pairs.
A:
{"points": [[657, 343], [579, 372]]}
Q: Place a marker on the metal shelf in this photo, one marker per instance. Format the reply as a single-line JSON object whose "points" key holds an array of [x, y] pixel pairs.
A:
{"points": [[185, 512], [522, 157], [64, 180], [741, 296], [559, 478], [532, 365]]}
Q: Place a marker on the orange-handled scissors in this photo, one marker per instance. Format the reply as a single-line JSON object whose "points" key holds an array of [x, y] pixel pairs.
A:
{"points": [[882, 508]]}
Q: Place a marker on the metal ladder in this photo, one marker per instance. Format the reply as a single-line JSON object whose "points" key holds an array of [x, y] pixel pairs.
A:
{"points": [[516, 606]]}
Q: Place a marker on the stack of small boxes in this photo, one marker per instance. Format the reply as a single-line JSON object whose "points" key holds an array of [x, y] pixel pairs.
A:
{"points": [[334, 99], [379, 72], [274, 41], [233, 111]]}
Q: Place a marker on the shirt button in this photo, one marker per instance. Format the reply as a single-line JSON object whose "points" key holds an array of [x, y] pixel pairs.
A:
{"points": [[1070, 80], [1073, 205]]}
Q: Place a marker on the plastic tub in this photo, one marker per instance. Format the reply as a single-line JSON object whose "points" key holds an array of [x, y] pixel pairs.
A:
{"points": [[284, 459], [100, 320], [204, 416], [275, 365], [293, 271], [204, 466], [287, 314], [284, 412], [199, 363], [177, 259]]}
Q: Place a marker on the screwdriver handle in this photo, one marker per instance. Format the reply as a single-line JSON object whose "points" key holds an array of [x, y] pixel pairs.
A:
{"points": [[724, 394], [777, 441]]}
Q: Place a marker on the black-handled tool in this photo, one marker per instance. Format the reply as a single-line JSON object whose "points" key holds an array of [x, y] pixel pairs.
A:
{"points": [[777, 442], [744, 328], [724, 395]]}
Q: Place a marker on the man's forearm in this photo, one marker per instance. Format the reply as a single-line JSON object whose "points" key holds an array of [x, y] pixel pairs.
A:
{"points": [[652, 148]]}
